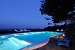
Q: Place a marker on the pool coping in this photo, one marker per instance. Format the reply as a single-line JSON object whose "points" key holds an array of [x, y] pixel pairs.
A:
{"points": [[32, 47]]}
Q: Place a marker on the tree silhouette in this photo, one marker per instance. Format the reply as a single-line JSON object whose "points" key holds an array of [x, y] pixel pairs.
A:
{"points": [[48, 20], [60, 9]]}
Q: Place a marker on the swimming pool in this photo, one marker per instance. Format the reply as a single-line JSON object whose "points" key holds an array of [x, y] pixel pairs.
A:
{"points": [[22, 40]]}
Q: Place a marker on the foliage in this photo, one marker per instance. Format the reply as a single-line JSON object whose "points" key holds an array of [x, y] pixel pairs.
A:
{"points": [[70, 31], [60, 9]]}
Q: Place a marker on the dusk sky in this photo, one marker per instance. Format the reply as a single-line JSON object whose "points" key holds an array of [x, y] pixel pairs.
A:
{"points": [[21, 14]]}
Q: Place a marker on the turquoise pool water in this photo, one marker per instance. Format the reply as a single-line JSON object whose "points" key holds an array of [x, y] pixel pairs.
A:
{"points": [[21, 40]]}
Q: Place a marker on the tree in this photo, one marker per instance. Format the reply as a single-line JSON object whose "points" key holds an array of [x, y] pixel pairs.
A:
{"points": [[61, 10]]}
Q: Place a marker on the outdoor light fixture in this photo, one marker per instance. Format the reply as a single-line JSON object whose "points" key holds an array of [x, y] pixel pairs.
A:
{"points": [[63, 34]]}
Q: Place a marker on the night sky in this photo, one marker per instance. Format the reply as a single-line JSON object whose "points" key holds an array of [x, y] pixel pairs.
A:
{"points": [[21, 14]]}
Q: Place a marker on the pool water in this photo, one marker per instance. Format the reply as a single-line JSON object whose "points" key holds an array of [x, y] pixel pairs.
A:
{"points": [[21, 40]]}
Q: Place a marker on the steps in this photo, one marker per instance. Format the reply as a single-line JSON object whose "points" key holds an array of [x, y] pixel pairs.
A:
{"points": [[19, 43]]}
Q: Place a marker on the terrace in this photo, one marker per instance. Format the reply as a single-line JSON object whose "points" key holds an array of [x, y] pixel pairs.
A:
{"points": [[23, 27]]}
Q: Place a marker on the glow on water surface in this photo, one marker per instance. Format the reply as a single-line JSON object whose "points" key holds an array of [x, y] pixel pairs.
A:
{"points": [[21, 40]]}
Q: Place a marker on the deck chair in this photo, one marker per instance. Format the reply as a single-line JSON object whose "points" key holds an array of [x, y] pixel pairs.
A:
{"points": [[64, 42]]}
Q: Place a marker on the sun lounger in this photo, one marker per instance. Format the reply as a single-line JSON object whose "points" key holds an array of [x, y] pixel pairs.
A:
{"points": [[64, 42]]}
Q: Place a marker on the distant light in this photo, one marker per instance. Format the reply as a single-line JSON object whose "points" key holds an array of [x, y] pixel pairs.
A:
{"points": [[61, 30], [3, 36], [25, 30], [15, 30], [57, 30]]}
